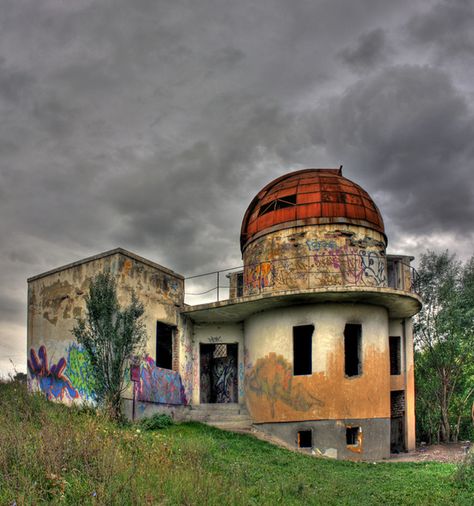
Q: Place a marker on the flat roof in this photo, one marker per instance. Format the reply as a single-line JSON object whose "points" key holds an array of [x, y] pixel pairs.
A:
{"points": [[109, 253]]}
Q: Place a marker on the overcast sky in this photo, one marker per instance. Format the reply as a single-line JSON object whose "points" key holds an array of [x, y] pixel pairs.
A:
{"points": [[152, 124]]}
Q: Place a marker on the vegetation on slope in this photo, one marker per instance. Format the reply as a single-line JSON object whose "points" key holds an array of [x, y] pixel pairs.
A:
{"points": [[53, 454]]}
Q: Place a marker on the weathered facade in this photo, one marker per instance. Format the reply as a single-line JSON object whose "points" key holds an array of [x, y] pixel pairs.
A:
{"points": [[315, 340]]}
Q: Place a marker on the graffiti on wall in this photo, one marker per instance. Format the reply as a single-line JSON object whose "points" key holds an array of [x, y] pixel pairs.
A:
{"points": [[51, 378], [79, 371], [271, 380], [303, 262], [162, 386]]}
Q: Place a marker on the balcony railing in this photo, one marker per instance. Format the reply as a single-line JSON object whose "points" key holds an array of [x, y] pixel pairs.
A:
{"points": [[319, 270]]}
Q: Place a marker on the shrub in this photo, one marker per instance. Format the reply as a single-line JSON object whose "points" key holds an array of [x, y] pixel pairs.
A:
{"points": [[156, 422]]}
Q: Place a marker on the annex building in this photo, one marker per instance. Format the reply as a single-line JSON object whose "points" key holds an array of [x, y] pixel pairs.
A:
{"points": [[314, 344]]}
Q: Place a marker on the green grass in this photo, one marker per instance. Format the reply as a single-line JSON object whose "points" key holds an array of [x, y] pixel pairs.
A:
{"points": [[51, 454]]}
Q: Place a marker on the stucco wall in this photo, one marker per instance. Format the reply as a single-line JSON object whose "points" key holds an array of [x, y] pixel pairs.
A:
{"points": [[57, 365], [313, 256], [273, 393]]}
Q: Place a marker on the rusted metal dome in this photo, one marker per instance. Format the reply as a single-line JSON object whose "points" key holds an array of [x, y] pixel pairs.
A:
{"points": [[309, 197]]}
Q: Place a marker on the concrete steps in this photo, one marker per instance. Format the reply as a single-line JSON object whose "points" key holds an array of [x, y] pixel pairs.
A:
{"points": [[224, 416]]}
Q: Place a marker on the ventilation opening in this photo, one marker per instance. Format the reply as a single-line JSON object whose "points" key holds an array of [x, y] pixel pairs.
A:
{"points": [[395, 356], [288, 201], [164, 345], [352, 436], [352, 349], [302, 354], [305, 439]]}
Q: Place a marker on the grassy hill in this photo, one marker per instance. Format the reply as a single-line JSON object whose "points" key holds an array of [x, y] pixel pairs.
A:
{"points": [[51, 454]]}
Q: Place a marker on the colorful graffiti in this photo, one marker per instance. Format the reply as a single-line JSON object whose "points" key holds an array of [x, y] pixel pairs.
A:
{"points": [[159, 385], [51, 378], [79, 371], [298, 262], [272, 380]]}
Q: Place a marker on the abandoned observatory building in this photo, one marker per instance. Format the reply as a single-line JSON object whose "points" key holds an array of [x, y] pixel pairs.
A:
{"points": [[314, 344]]}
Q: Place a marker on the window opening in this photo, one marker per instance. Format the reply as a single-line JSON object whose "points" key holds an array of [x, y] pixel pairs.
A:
{"points": [[352, 349], [395, 355], [164, 345], [305, 439], [352, 436], [281, 203], [302, 353]]}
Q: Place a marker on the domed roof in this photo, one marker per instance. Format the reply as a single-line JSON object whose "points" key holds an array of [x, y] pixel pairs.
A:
{"points": [[309, 197]]}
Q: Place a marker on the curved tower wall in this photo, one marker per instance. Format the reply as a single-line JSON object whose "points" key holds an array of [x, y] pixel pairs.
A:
{"points": [[315, 256]]}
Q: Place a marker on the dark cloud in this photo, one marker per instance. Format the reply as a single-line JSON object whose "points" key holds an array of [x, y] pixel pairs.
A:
{"points": [[151, 125], [372, 50], [447, 28], [407, 132]]}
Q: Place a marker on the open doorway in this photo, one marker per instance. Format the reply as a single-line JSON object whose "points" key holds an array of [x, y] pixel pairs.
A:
{"points": [[397, 421], [218, 376]]}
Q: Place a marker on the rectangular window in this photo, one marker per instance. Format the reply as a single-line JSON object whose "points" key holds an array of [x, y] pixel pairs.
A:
{"points": [[164, 345], [352, 436], [395, 355], [352, 349], [305, 439], [302, 349]]}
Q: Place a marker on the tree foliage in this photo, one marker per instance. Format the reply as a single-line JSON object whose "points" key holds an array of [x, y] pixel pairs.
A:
{"points": [[111, 336], [444, 347]]}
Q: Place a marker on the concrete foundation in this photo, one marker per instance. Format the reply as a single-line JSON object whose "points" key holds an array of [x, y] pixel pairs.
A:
{"points": [[329, 437]]}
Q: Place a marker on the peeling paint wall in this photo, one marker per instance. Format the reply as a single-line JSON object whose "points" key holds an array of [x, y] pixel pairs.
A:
{"points": [[315, 256], [274, 394], [57, 365]]}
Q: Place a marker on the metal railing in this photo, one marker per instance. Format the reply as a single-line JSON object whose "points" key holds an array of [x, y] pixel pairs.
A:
{"points": [[318, 270]]}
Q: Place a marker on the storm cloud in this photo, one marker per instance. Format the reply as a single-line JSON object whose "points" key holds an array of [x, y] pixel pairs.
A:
{"points": [[151, 125]]}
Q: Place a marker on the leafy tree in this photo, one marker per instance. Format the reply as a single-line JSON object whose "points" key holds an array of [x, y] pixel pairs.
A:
{"points": [[110, 336], [444, 340]]}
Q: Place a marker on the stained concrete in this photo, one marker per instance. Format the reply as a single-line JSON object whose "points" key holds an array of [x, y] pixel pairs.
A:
{"points": [[329, 437]]}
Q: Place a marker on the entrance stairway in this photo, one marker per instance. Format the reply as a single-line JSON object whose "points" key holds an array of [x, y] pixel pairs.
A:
{"points": [[230, 416]]}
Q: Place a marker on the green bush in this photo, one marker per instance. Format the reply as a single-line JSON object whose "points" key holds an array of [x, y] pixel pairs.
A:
{"points": [[156, 422], [465, 471]]}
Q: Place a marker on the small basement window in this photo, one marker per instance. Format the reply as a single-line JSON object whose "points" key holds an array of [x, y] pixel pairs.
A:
{"points": [[305, 439], [352, 349], [164, 345], [352, 436], [395, 355], [302, 353], [288, 201]]}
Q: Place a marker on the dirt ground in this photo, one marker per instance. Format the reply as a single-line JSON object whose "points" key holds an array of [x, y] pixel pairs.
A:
{"points": [[452, 452]]}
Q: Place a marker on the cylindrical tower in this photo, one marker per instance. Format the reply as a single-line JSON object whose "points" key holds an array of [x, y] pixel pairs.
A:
{"points": [[312, 228]]}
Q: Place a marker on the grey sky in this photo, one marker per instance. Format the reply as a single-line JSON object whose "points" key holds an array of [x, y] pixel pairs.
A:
{"points": [[151, 125]]}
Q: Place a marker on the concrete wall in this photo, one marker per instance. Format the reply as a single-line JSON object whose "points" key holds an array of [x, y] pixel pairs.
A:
{"points": [[329, 437], [56, 363], [314, 256], [222, 333], [406, 380], [274, 394]]}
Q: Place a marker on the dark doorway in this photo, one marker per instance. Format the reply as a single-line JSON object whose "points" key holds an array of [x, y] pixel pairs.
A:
{"points": [[397, 421], [164, 345], [218, 376]]}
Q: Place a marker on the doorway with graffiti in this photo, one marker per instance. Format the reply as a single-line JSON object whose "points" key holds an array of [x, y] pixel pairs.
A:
{"points": [[218, 373]]}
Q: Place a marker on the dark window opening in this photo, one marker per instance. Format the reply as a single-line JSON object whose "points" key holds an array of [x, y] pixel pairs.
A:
{"points": [[164, 345], [240, 284], [305, 439], [302, 354], [352, 349], [288, 201], [395, 355], [352, 436]]}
